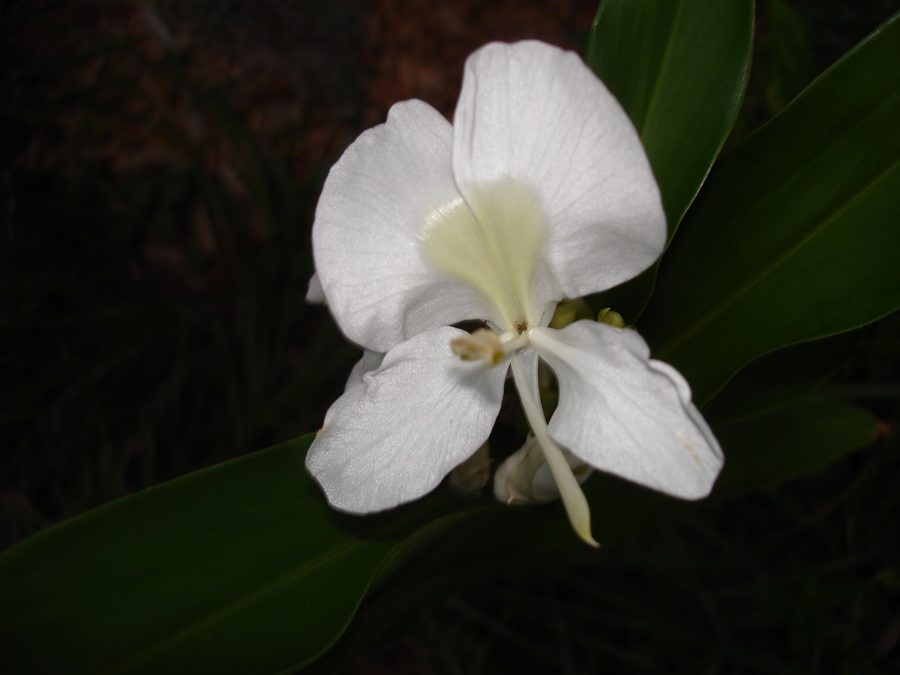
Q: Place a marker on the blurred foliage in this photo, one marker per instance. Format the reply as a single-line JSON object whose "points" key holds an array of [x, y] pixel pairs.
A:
{"points": [[161, 162], [795, 41], [161, 166], [803, 579], [156, 239]]}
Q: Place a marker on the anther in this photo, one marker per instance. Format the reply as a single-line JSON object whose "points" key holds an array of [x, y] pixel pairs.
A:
{"points": [[482, 345]]}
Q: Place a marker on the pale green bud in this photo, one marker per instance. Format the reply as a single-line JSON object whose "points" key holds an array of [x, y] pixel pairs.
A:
{"points": [[525, 478], [611, 318], [569, 311]]}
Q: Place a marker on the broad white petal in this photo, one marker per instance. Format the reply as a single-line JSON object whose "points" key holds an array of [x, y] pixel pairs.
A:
{"points": [[370, 361], [623, 413], [368, 232], [394, 437], [536, 115]]}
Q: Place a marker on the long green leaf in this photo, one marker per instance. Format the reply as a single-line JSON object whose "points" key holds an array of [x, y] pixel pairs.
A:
{"points": [[794, 236], [235, 569], [779, 378], [768, 448], [679, 68], [243, 568]]}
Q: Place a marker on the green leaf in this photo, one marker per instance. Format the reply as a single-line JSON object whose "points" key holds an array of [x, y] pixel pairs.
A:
{"points": [[791, 59], [243, 568], [238, 568], [794, 236], [679, 68], [779, 378], [767, 448]]}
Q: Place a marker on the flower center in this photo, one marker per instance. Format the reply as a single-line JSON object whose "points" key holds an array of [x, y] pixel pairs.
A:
{"points": [[490, 242], [486, 345]]}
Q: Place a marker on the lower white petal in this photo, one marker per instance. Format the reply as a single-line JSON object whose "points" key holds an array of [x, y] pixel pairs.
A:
{"points": [[370, 361], [626, 414], [393, 437]]}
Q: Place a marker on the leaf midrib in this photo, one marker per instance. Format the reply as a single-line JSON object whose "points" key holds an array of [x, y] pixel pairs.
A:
{"points": [[654, 92]]}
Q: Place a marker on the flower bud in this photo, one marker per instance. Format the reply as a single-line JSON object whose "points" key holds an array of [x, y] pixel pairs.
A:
{"points": [[525, 478], [569, 311], [611, 318]]}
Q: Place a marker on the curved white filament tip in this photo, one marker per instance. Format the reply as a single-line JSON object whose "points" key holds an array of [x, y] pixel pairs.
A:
{"points": [[569, 489]]}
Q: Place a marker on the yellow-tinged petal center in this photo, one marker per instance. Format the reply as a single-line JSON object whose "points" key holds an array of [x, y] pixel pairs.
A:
{"points": [[491, 242]]}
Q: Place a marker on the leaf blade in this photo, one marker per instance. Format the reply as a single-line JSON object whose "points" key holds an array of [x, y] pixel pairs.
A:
{"points": [[792, 238], [768, 448], [680, 70], [182, 577]]}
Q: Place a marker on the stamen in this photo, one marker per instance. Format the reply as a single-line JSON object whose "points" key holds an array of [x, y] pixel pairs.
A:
{"points": [[482, 345], [573, 498], [486, 345]]}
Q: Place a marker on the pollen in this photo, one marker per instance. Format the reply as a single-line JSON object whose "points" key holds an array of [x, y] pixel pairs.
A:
{"points": [[482, 345]]}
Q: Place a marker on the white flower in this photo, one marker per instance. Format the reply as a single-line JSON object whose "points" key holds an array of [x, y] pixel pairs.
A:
{"points": [[539, 191]]}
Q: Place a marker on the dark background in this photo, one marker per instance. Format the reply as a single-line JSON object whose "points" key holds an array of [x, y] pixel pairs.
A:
{"points": [[161, 164]]}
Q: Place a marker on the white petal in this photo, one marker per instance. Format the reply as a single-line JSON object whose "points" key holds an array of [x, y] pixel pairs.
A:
{"points": [[394, 437], [370, 361], [537, 115], [498, 252], [623, 413], [314, 293], [368, 232]]}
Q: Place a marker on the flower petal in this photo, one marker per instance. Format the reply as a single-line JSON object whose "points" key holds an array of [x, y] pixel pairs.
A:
{"points": [[370, 361], [536, 114], [367, 234], [623, 413], [394, 437]]}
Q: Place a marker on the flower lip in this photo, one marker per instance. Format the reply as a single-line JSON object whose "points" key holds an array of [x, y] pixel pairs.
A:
{"points": [[490, 241]]}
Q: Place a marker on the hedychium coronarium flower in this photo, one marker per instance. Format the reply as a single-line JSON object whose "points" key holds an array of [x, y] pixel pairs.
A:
{"points": [[539, 191]]}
